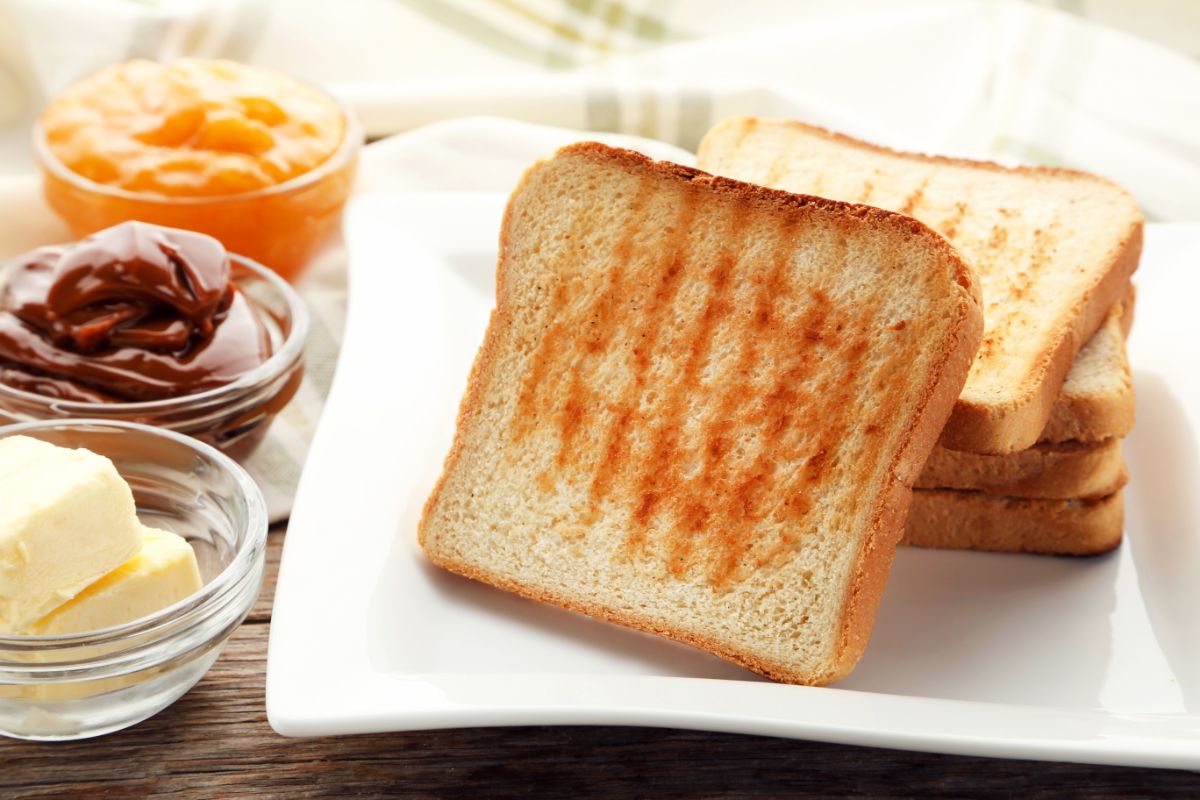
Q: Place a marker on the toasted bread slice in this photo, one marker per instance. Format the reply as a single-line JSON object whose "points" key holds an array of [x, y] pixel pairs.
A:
{"points": [[1067, 471], [1079, 455], [1097, 401], [700, 405], [977, 521], [1054, 249]]}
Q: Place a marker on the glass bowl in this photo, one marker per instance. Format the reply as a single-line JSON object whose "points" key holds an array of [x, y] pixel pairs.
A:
{"points": [[81, 685], [233, 418], [281, 226]]}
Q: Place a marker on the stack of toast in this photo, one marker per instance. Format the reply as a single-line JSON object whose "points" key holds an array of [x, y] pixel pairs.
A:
{"points": [[706, 403], [1030, 461], [700, 406]]}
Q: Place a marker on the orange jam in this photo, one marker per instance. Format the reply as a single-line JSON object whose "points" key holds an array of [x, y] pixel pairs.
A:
{"points": [[253, 157]]}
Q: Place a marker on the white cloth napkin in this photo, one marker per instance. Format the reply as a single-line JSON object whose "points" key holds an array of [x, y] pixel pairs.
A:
{"points": [[1002, 80]]}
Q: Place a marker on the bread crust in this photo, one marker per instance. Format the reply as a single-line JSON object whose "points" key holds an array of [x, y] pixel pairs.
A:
{"points": [[749, 121], [1014, 425], [1091, 419], [1092, 416], [1066, 471], [643, 622], [887, 528], [885, 525], [975, 521], [1017, 425]]}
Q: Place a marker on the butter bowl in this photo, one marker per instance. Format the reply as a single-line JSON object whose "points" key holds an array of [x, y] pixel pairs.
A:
{"points": [[80, 685]]}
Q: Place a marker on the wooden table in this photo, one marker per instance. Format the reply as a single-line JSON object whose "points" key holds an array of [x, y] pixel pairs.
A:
{"points": [[215, 743]]}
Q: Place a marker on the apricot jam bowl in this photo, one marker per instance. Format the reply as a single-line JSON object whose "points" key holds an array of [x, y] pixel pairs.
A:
{"points": [[233, 417], [257, 159], [79, 685]]}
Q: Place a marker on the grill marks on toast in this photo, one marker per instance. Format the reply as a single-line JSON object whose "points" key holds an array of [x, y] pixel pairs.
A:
{"points": [[716, 491], [1044, 240], [909, 204], [688, 501], [715, 470], [601, 320], [1051, 247], [689, 495], [715, 517], [659, 477], [948, 227], [653, 313], [574, 411], [776, 419], [537, 393], [542, 358], [1004, 287]]}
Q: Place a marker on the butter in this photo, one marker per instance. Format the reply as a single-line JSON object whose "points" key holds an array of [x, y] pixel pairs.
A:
{"points": [[66, 519], [163, 572]]}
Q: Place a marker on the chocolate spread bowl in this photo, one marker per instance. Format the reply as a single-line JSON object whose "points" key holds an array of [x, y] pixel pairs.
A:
{"points": [[233, 417]]}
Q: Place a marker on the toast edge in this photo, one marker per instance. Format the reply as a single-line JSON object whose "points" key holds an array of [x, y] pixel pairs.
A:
{"points": [[1090, 418], [886, 526], [951, 528], [1084, 472], [1019, 425], [747, 122]]}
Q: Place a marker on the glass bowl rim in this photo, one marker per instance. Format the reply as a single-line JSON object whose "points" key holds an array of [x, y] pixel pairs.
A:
{"points": [[347, 149], [243, 561], [277, 364]]}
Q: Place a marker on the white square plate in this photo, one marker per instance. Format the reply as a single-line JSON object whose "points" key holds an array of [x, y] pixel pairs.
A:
{"points": [[1094, 659]]}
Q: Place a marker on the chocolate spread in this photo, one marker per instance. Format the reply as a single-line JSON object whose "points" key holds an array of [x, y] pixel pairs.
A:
{"points": [[132, 313]]}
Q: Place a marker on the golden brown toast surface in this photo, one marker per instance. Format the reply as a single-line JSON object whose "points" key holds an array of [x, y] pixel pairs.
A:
{"points": [[1054, 249], [700, 406]]}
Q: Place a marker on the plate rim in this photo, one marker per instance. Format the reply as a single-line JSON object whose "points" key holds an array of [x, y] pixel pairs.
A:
{"points": [[1116, 738]]}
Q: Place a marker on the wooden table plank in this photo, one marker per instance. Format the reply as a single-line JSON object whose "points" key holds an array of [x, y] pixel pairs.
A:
{"points": [[215, 742]]}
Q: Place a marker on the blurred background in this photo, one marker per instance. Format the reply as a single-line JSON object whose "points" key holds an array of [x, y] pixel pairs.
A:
{"points": [[1106, 85]]}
